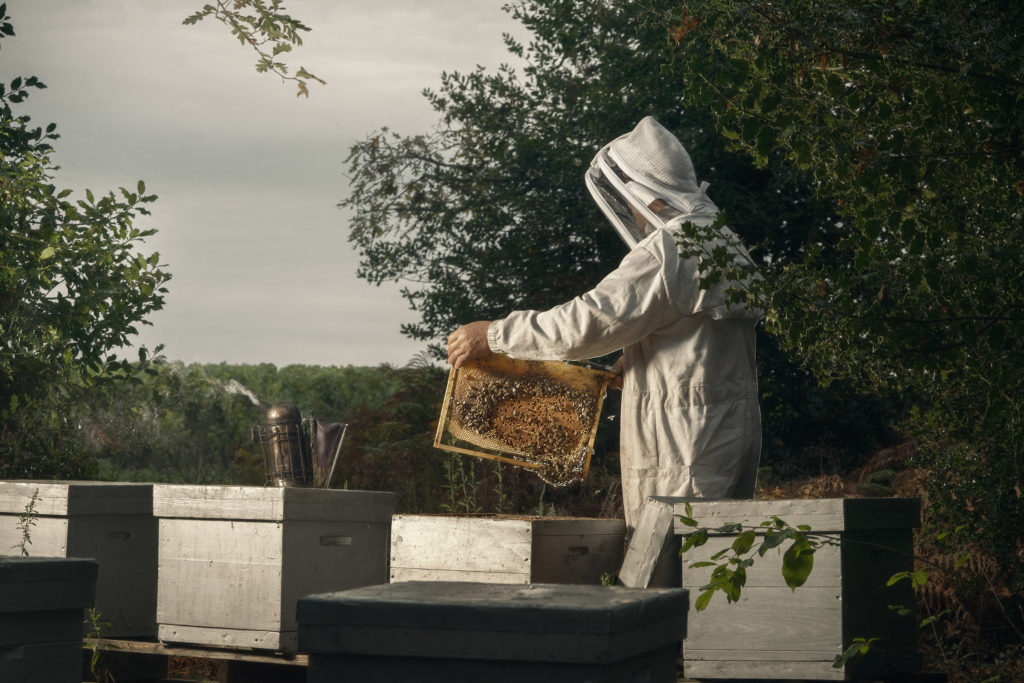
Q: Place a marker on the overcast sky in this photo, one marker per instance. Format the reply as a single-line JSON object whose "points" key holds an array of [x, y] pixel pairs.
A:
{"points": [[248, 176]]}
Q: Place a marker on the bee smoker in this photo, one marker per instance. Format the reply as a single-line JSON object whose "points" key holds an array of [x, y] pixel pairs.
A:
{"points": [[290, 457], [286, 458]]}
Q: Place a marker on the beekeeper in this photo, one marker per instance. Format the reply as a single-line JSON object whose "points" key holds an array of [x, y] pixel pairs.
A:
{"points": [[690, 421]]}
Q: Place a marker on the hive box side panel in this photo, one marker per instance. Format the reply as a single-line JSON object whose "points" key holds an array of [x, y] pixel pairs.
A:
{"points": [[831, 514], [218, 502], [125, 546], [322, 557], [48, 537], [51, 497], [576, 550], [769, 619], [766, 571], [55, 662], [271, 503], [219, 573], [39, 626], [482, 547], [227, 637], [785, 667], [66, 498]]}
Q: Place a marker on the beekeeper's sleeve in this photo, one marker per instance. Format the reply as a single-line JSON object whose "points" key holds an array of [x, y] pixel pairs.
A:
{"points": [[627, 305]]}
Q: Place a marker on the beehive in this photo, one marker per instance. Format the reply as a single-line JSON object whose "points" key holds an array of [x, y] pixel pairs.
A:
{"points": [[537, 415], [505, 548], [234, 560], [440, 632], [42, 605], [773, 632], [111, 522]]}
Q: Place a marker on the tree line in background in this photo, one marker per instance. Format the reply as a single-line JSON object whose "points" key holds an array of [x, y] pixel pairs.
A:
{"points": [[870, 153]]}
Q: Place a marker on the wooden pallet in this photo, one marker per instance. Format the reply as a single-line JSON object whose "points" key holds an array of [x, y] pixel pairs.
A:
{"points": [[148, 662]]}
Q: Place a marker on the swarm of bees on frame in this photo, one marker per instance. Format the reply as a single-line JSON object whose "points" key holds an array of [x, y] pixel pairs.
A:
{"points": [[533, 414]]}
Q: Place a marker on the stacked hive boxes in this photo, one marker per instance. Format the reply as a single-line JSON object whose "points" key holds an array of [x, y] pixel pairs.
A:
{"points": [[773, 632], [234, 560], [110, 522]]}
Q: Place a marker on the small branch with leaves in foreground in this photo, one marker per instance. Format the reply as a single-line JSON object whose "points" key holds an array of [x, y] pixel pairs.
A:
{"points": [[27, 520], [267, 29]]}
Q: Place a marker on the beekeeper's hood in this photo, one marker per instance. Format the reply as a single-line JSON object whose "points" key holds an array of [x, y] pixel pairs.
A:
{"points": [[634, 170]]}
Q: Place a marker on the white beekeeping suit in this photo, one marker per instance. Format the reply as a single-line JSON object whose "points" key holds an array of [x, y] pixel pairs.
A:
{"points": [[690, 421]]}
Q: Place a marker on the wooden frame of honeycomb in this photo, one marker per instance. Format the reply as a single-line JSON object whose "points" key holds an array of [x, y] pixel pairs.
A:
{"points": [[539, 415]]}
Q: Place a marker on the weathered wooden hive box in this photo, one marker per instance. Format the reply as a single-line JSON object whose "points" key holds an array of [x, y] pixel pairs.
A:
{"points": [[773, 632], [234, 560], [505, 549], [453, 632], [42, 606], [111, 522]]}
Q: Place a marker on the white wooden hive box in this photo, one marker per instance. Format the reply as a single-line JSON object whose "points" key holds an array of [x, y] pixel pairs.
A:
{"points": [[505, 549], [111, 522], [773, 632], [234, 560]]}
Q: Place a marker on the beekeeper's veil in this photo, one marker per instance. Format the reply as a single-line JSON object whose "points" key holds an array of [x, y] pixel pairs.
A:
{"points": [[634, 170]]}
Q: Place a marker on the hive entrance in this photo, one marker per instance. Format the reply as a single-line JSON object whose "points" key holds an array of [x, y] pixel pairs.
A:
{"points": [[535, 414]]}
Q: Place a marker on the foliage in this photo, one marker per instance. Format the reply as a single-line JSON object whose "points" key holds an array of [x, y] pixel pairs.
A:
{"points": [[488, 213], [906, 116], [94, 626], [267, 29], [26, 520], [729, 573], [73, 288]]}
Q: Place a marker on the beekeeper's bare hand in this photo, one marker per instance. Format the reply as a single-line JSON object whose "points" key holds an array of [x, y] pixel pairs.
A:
{"points": [[467, 343], [616, 382]]}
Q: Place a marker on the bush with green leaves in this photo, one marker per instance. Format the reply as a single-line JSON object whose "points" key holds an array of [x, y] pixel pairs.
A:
{"points": [[74, 287]]}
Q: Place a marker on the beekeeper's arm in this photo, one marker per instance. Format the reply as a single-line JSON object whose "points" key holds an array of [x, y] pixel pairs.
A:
{"points": [[627, 305]]}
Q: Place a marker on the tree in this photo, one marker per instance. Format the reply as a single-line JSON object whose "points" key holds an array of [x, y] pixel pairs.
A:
{"points": [[488, 213], [906, 114], [73, 288]]}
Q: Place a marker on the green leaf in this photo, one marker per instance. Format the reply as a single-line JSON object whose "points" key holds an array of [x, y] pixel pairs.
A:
{"points": [[701, 603], [835, 85], [687, 521], [797, 564], [47, 253], [743, 542], [765, 141], [695, 539]]}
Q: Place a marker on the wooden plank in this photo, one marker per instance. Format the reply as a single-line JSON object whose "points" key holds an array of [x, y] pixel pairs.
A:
{"points": [[65, 498], [271, 503], [164, 649], [768, 619], [49, 626], [227, 637], [832, 514], [786, 670], [576, 550], [652, 548], [399, 574], [219, 573], [795, 665], [125, 546], [766, 571], [49, 537], [472, 544], [51, 662], [43, 593], [324, 556]]}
